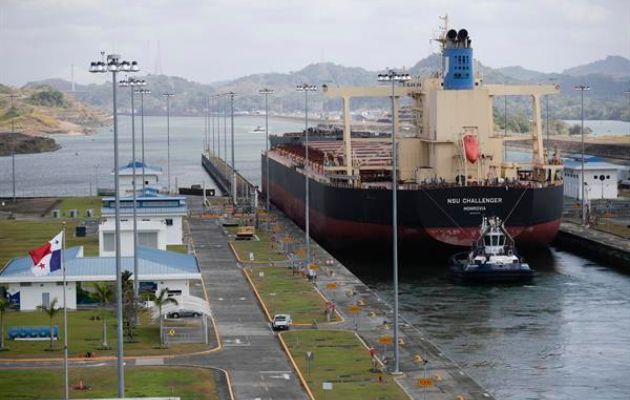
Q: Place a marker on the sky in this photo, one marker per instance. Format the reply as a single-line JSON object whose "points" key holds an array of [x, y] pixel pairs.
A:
{"points": [[215, 40]]}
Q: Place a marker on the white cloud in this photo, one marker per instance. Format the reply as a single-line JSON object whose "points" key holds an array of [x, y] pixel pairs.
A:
{"points": [[223, 39]]}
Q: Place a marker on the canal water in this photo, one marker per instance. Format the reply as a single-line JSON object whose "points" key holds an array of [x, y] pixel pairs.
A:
{"points": [[565, 336], [86, 162]]}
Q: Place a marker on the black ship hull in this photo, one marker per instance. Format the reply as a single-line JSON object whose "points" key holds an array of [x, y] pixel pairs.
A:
{"points": [[346, 218]]}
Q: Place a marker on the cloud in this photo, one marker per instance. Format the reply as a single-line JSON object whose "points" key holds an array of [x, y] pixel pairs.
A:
{"points": [[223, 39]]}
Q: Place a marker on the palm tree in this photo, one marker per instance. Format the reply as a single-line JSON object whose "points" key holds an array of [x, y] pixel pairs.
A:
{"points": [[103, 295], [51, 311], [4, 306], [160, 301]]}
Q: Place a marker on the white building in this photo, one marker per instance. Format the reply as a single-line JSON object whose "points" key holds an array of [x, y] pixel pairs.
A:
{"points": [[600, 179], [152, 176], [157, 269], [159, 223]]}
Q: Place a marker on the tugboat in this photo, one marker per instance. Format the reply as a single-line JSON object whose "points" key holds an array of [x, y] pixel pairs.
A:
{"points": [[258, 129], [492, 259]]}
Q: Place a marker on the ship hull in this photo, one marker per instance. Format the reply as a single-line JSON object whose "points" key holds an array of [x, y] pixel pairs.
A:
{"points": [[346, 218]]}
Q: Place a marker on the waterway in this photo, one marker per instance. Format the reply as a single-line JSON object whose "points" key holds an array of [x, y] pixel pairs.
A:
{"points": [[86, 162], [604, 127], [565, 336]]}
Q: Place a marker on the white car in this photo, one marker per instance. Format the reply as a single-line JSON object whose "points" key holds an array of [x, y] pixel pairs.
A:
{"points": [[281, 322]]}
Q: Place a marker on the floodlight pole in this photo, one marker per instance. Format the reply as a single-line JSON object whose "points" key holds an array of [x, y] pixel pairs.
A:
{"points": [[394, 77], [234, 187], [114, 65], [305, 87], [168, 137], [582, 89], [266, 92]]}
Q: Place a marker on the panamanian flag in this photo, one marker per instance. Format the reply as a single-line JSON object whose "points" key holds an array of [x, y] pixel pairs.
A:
{"points": [[47, 258]]}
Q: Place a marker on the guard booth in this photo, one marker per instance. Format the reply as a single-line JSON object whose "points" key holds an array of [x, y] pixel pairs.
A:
{"points": [[185, 330]]}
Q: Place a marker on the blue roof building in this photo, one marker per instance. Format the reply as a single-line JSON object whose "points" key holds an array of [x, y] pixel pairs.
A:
{"points": [[162, 269]]}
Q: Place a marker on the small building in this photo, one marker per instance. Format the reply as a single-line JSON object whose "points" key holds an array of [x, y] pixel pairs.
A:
{"points": [[152, 176], [159, 222], [600, 178], [157, 269]]}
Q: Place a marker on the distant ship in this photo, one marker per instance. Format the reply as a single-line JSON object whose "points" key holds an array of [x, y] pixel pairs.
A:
{"points": [[451, 166], [258, 129]]}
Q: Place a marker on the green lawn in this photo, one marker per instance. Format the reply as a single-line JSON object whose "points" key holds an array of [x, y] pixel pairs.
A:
{"points": [[187, 383], [18, 237], [85, 335], [262, 249], [339, 357], [285, 293], [81, 204]]}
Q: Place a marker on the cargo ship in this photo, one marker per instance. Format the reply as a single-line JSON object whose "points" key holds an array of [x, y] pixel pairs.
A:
{"points": [[451, 167]]}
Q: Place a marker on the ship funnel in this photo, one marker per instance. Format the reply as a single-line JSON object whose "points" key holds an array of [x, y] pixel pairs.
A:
{"points": [[459, 61]]}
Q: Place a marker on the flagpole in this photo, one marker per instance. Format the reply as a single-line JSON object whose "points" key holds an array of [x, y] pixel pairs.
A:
{"points": [[65, 314]]}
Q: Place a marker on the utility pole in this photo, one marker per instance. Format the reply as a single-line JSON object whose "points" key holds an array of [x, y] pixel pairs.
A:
{"points": [[582, 89], [14, 139], [266, 92], [305, 87], [395, 77]]}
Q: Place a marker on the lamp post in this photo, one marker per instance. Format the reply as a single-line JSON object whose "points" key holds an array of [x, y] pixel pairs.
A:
{"points": [[395, 77], [225, 113], [234, 188], [168, 137], [115, 65], [131, 83], [266, 92], [212, 123], [206, 122], [305, 87], [142, 92], [12, 97], [547, 117], [582, 89]]}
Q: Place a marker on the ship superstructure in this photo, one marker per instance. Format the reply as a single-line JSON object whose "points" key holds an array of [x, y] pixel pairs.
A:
{"points": [[452, 168]]}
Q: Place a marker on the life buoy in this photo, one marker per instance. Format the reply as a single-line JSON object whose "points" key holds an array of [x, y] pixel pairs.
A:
{"points": [[471, 147]]}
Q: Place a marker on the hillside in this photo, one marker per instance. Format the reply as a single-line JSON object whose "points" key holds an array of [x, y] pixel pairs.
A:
{"points": [[608, 79], [41, 109], [615, 66]]}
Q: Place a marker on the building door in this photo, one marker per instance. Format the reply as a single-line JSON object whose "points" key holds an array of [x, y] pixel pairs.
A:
{"points": [[45, 299]]}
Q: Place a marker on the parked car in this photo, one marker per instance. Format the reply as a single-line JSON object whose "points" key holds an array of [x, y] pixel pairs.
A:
{"points": [[183, 314], [281, 322]]}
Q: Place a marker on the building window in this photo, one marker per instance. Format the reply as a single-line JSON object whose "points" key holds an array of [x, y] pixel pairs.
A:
{"points": [[148, 239], [174, 293], [25, 283], [109, 244], [607, 176], [169, 221]]}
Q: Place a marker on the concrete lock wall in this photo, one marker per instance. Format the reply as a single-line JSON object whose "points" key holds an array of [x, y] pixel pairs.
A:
{"points": [[32, 294]]}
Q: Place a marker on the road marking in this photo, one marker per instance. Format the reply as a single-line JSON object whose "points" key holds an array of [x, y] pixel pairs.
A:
{"points": [[243, 298], [150, 361]]}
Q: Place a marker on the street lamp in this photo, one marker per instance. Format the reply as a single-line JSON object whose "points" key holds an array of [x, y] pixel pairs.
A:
{"points": [[168, 137], [114, 65], [266, 92], [305, 87], [395, 77], [132, 83], [582, 89], [13, 97], [225, 113], [234, 188], [547, 118], [142, 92]]}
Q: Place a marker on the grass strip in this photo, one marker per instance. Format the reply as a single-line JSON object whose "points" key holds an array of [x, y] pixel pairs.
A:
{"points": [[17, 237], [262, 248], [286, 293], [186, 383], [85, 335], [340, 358]]}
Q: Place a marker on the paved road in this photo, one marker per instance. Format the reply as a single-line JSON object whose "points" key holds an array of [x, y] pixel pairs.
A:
{"points": [[251, 353]]}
